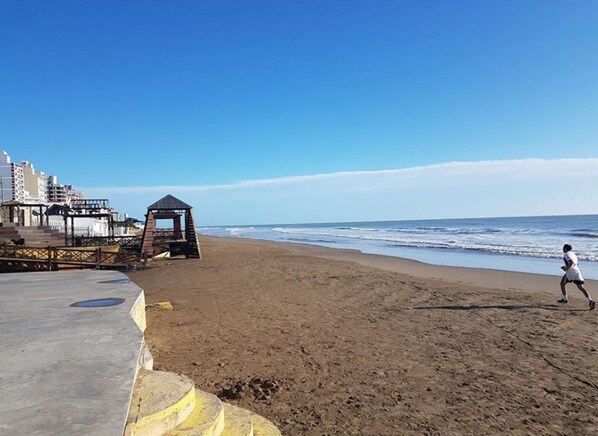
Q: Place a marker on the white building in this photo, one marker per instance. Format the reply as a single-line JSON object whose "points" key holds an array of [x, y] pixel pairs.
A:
{"points": [[12, 180], [61, 194], [36, 184], [56, 191]]}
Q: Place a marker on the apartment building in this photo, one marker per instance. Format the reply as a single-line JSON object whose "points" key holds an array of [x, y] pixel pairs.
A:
{"points": [[60, 193], [12, 180], [56, 191], [36, 184]]}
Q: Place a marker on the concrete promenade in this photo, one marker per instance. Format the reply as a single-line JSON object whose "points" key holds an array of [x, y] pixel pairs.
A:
{"points": [[68, 370]]}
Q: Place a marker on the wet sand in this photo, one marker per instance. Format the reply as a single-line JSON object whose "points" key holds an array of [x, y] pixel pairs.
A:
{"points": [[324, 341]]}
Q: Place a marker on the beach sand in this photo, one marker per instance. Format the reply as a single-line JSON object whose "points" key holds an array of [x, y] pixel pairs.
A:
{"points": [[324, 341]]}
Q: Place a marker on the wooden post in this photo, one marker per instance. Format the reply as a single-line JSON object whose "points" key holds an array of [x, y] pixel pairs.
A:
{"points": [[66, 231]]}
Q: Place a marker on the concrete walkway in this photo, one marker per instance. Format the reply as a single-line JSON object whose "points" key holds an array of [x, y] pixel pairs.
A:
{"points": [[68, 370]]}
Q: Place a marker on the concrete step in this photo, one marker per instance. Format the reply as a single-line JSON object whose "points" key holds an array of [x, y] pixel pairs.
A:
{"points": [[237, 421], [206, 420], [7, 230], [25, 231], [264, 427], [160, 402], [37, 235], [243, 422], [31, 234], [165, 403]]}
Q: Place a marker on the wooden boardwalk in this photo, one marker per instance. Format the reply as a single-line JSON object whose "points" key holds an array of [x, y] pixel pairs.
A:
{"points": [[14, 258]]}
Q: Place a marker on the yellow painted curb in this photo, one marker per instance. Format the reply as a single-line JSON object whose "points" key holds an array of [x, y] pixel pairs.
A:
{"points": [[161, 401], [206, 420], [237, 421]]}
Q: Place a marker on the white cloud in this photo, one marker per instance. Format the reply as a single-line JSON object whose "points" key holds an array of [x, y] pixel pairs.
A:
{"points": [[522, 169], [453, 189]]}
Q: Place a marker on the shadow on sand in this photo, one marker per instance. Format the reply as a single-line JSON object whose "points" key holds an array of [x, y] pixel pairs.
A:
{"points": [[503, 307]]}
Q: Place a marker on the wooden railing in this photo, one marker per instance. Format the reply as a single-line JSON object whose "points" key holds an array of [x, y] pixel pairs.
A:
{"points": [[167, 235], [129, 242], [53, 258]]}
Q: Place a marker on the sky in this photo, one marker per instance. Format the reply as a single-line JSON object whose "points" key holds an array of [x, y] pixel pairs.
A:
{"points": [[308, 111]]}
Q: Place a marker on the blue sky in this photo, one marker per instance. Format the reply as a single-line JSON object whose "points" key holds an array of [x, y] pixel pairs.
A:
{"points": [[110, 95]]}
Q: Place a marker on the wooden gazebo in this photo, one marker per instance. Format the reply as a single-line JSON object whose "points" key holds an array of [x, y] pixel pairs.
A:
{"points": [[170, 208]]}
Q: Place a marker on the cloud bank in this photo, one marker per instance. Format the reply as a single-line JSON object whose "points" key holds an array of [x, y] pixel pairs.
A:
{"points": [[452, 189]]}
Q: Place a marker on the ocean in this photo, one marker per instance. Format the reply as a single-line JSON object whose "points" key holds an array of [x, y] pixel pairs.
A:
{"points": [[525, 244]]}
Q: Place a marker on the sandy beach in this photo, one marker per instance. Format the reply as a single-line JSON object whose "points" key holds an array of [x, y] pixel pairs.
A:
{"points": [[323, 341]]}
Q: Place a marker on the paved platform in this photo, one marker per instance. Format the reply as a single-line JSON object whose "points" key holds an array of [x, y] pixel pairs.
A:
{"points": [[68, 370]]}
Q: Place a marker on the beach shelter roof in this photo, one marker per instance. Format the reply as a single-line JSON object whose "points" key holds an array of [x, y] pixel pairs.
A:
{"points": [[169, 202], [21, 204], [58, 209]]}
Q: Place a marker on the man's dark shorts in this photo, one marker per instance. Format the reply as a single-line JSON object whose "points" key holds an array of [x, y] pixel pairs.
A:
{"points": [[565, 280]]}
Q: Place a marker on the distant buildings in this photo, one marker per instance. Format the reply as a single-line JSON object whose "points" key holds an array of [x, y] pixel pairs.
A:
{"points": [[20, 182], [30, 198], [62, 194]]}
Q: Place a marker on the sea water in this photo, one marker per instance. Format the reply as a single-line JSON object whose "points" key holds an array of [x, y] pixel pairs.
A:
{"points": [[525, 244]]}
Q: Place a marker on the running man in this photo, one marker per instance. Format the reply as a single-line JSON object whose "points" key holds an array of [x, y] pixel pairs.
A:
{"points": [[573, 274]]}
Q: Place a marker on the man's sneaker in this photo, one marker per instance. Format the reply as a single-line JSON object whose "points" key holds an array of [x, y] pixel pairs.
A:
{"points": [[592, 305], [563, 301]]}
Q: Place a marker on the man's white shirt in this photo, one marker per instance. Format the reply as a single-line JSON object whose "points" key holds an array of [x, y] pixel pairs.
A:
{"points": [[573, 273]]}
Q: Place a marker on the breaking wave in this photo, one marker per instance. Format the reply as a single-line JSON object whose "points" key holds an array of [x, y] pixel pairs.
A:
{"points": [[540, 237]]}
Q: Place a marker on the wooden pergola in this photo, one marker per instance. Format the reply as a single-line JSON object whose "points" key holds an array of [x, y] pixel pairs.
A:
{"points": [[170, 208], [92, 208], [16, 209]]}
